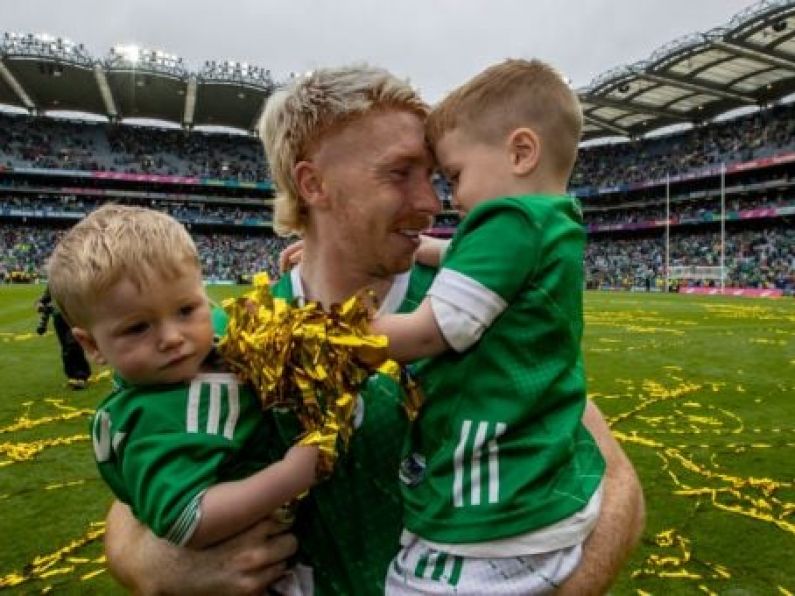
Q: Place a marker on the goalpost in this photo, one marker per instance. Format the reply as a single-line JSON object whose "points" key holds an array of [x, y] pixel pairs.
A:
{"points": [[696, 271]]}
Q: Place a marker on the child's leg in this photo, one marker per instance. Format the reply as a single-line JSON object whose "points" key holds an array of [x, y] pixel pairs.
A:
{"points": [[419, 569]]}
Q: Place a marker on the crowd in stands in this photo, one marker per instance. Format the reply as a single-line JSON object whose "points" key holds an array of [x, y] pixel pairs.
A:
{"points": [[760, 258], [183, 211], [697, 209], [224, 256], [754, 258], [756, 135], [40, 142]]}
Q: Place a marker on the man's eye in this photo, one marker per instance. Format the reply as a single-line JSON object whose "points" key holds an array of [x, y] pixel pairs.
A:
{"points": [[399, 173]]}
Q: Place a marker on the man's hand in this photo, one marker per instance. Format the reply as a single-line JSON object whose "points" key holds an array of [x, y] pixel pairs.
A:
{"points": [[245, 564]]}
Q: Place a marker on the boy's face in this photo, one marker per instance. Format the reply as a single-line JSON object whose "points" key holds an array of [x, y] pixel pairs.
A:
{"points": [[159, 334], [476, 170]]}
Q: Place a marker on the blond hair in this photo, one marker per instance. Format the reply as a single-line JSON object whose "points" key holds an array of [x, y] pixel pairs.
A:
{"points": [[112, 242], [511, 95], [298, 116]]}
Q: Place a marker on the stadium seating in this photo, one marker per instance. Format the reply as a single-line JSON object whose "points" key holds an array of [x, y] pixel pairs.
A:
{"points": [[619, 185], [47, 143]]}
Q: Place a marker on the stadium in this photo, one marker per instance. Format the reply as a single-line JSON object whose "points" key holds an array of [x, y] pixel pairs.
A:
{"points": [[685, 176]]}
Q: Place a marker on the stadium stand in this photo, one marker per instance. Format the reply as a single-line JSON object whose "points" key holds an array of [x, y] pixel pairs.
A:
{"points": [[700, 160]]}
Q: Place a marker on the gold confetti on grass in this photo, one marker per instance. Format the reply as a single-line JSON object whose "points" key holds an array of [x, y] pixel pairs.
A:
{"points": [[44, 566], [25, 423], [675, 560], [24, 451]]}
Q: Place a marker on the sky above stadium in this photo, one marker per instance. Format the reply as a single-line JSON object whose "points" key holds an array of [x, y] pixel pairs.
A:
{"points": [[437, 44]]}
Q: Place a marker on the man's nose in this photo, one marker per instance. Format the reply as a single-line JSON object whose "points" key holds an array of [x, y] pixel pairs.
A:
{"points": [[425, 199]]}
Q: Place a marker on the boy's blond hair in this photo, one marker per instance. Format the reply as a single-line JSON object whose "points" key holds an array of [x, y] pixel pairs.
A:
{"points": [[298, 116], [111, 243], [511, 95]]}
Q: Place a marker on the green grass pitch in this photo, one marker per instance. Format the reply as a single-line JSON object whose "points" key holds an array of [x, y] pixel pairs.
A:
{"points": [[699, 390]]}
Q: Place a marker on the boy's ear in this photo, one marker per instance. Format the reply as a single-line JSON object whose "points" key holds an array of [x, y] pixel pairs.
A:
{"points": [[309, 181], [524, 146], [89, 345]]}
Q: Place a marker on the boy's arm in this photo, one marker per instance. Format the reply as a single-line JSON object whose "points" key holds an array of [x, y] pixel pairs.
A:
{"points": [[145, 564], [411, 336], [230, 507], [431, 250]]}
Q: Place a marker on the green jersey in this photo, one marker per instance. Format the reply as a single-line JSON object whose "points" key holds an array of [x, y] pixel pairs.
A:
{"points": [[160, 447], [500, 434], [349, 526]]}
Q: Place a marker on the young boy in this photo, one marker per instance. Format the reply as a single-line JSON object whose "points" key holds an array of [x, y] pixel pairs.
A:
{"points": [[179, 440], [501, 481]]}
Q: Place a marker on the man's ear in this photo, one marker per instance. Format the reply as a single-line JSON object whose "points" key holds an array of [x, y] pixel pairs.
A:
{"points": [[89, 345], [524, 146], [310, 183]]}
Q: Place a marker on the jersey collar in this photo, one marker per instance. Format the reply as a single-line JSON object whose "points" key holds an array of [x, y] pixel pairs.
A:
{"points": [[392, 301]]}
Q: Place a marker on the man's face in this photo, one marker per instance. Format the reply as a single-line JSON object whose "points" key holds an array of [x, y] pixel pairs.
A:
{"points": [[376, 172]]}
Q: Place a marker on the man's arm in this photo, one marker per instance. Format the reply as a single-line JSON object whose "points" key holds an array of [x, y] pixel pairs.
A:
{"points": [[244, 564], [621, 519]]}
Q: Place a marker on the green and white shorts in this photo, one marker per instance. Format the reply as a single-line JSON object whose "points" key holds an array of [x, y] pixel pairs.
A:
{"points": [[419, 569]]}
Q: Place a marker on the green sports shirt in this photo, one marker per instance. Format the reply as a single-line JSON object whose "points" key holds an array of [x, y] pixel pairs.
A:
{"points": [[160, 447], [500, 435], [349, 526]]}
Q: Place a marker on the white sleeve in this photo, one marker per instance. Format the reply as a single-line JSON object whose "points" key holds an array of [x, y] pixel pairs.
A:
{"points": [[463, 308]]}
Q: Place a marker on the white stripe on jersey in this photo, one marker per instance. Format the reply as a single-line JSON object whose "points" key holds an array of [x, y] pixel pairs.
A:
{"points": [[477, 449], [480, 441], [494, 464], [458, 465], [214, 413], [192, 417], [234, 410], [101, 436]]}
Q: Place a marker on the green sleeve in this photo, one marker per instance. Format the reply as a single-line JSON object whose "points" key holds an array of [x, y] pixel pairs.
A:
{"points": [[166, 473], [498, 246]]}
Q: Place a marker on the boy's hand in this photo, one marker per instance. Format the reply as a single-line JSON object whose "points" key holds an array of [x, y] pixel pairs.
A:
{"points": [[291, 256], [303, 459]]}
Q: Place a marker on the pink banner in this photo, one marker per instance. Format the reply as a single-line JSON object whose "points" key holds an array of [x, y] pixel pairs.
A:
{"points": [[747, 292]]}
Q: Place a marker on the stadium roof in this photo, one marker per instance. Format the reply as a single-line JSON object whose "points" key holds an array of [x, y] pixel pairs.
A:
{"points": [[41, 73], [748, 62]]}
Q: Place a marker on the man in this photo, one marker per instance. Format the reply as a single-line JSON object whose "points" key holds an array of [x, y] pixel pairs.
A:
{"points": [[348, 154], [75, 365]]}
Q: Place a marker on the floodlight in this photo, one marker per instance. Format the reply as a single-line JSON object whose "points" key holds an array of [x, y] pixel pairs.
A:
{"points": [[129, 53]]}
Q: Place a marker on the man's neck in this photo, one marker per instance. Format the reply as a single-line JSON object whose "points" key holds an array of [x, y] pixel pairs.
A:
{"points": [[329, 279]]}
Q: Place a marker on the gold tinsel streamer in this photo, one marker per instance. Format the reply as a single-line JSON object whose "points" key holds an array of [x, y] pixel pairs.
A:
{"points": [[307, 360], [44, 566], [673, 566], [23, 451]]}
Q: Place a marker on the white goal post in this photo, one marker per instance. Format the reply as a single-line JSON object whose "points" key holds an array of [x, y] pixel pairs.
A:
{"points": [[694, 272]]}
